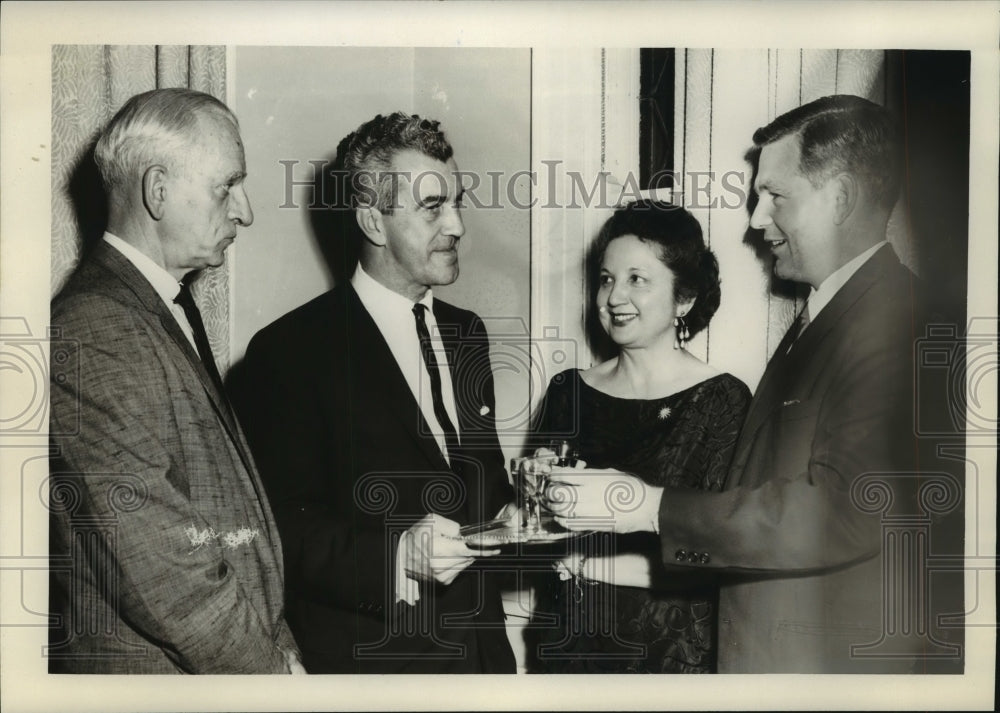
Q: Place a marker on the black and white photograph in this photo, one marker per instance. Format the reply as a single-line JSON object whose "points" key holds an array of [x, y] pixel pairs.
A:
{"points": [[516, 340]]}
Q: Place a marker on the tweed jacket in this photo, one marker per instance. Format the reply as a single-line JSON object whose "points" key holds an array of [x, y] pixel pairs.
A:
{"points": [[165, 557]]}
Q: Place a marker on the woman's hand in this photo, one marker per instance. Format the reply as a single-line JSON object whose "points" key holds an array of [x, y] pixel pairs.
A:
{"points": [[568, 567], [630, 569], [605, 500]]}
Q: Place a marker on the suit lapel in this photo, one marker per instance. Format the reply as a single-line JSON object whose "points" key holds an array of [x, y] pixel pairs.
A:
{"points": [[785, 368], [127, 273], [867, 276], [376, 368], [772, 373], [451, 337], [468, 357]]}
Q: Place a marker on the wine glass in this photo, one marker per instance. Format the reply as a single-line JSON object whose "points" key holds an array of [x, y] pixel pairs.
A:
{"points": [[531, 475]]}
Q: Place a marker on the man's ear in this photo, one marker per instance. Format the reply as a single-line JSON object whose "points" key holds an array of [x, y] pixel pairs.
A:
{"points": [[154, 190], [371, 222], [845, 187]]}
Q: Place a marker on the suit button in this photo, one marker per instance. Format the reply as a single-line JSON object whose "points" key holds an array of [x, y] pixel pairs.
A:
{"points": [[693, 557], [705, 559], [681, 555]]}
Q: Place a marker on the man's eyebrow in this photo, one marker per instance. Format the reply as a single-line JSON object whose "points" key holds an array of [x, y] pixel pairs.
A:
{"points": [[437, 199], [432, 200], [765, 185]]}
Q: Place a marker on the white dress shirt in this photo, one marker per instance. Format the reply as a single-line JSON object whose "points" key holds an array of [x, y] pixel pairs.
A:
{"points": [[393, 315], [161, 280], [820, 297]]}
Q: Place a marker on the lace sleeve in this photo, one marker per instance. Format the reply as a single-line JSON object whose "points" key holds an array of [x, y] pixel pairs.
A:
{"points": [[729, 409]]}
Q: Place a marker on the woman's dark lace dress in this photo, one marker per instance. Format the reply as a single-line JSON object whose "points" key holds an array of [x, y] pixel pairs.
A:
{"points": [[685, 440]]}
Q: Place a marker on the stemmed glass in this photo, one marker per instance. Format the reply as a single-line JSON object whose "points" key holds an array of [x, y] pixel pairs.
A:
{"points": [[531, 476]]}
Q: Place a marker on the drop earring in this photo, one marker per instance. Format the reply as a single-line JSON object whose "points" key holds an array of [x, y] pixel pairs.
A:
{"points": [[681, 332]]}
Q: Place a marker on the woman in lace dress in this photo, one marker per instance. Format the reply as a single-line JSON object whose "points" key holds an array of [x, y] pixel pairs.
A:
{"points": [[658, 412]]}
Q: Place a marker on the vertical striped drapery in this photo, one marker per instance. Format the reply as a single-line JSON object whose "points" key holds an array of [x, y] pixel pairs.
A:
{"points": [[89, 84], [584, 141], [585, 121]]}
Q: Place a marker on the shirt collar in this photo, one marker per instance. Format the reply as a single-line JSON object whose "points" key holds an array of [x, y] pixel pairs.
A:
{"points": [[161, 280], [375, 295], [821, 296]]}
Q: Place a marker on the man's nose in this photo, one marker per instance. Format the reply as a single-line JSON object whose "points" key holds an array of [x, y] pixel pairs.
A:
{"points": [[454, 225], [761, 216], [239, 206]]}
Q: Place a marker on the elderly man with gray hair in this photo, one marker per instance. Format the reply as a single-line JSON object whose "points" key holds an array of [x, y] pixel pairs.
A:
{"points": [[165, 557]]}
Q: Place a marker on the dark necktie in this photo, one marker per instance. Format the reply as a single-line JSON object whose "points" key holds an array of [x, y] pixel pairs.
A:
{"points": [[801, 322], [186, 301], [431, 362]]}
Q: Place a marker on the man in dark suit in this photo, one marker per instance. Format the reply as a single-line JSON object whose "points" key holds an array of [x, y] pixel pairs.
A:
{"points": [[165, 557], [371, 412], [796, 535]]}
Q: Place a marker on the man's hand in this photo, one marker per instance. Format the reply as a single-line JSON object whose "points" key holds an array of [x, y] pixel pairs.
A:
{"points": [[432, 550], [510, 511], [605, 500], [295, 666]]}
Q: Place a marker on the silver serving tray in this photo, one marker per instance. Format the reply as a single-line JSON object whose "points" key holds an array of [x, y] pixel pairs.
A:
{"points": [[507, 532]]}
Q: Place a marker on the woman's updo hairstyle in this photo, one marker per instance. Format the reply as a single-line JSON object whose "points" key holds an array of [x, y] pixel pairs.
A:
{"points": [[677, 237]]}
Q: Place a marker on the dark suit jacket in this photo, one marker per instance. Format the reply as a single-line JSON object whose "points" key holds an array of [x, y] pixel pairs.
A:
{"points": [[349, 464], [827, 422], [165, 556]]}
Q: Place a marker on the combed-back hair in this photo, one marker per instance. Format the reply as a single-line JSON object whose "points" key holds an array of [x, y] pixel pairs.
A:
{"points": [[843, 133], [152, 127], [677, 238]]}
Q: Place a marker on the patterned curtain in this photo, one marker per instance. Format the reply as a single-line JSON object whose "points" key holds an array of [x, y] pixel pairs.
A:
{"points": [[89, 84]]}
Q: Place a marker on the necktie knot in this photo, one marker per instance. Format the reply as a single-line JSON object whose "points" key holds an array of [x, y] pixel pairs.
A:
{"points": [[186, 301], [801, 322], [184, 297]]}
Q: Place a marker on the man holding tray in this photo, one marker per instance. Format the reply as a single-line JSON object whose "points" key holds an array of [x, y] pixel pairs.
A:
{"points": [[371, 413]]}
